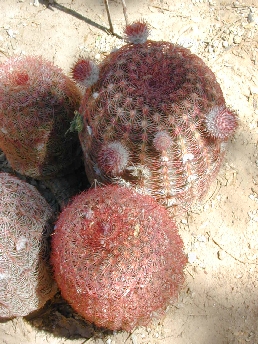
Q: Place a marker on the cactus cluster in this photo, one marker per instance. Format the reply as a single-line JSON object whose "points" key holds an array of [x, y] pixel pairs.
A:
{"points": [[26, 281], [155, 119], [117, 256], [153, 122], [37, 104]]}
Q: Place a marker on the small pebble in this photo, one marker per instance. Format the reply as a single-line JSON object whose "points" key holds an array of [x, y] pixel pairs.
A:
{"points": [[237, 39], [252, 16], [225, 44], [254, 89], [191, 257], [253, 198], [201, 238], [10, 33], [134, 339]]}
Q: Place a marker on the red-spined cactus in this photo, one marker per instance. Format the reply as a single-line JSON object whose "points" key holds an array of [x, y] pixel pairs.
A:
{"points": [[26, 281], [155, 119], [117, 256], [37, 104]]}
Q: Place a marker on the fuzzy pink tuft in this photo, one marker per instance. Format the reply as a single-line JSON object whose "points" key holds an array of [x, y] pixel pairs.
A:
{"points": [[221, 122], [113, 158], [137, 32], [85, 72], [162, 141]]}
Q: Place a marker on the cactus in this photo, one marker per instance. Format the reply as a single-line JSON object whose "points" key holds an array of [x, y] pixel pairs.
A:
{"points": [[117, 257], [156, 119], [26, 281], [37, 104]]}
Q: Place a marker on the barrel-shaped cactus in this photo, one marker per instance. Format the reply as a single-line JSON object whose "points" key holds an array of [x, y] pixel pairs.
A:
{"points": [[117, 256], [26, 281], [155, 119], [37, 104]]}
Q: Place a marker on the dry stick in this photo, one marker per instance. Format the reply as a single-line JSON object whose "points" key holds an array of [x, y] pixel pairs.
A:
{"points": [[125, 12], [231, 255], [109, 17]]}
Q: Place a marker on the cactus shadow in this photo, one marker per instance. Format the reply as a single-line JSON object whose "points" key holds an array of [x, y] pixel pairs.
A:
{"points": [[58, 318], [52, 4]]}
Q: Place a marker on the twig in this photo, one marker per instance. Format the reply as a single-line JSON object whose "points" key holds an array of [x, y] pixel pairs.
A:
{"points": [[160, 8], [125, 12], [215, 192], [86, 20], [231, 255], [109, 17], [130, 336], [2, 51], [190, 273]]}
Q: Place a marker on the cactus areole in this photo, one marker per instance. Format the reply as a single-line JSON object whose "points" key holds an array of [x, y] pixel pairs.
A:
{"points": [[117, 256], [163, 112]]}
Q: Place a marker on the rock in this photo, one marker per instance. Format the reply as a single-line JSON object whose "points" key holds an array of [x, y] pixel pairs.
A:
{"points": [[191, 257], [225, 44], [237, 39]]}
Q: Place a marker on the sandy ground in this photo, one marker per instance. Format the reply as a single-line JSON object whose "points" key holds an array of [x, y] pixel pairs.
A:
{"points": [[218, 304]]}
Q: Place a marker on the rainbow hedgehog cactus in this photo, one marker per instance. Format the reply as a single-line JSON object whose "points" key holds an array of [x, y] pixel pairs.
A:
{"points": [[26, 281], [37, 104], [117, 257], [154, 117]]}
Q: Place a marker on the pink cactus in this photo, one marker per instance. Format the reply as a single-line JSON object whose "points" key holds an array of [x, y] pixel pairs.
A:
{"points": [[117, 256], [159, 101], [26, 281], [37, 104]]}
